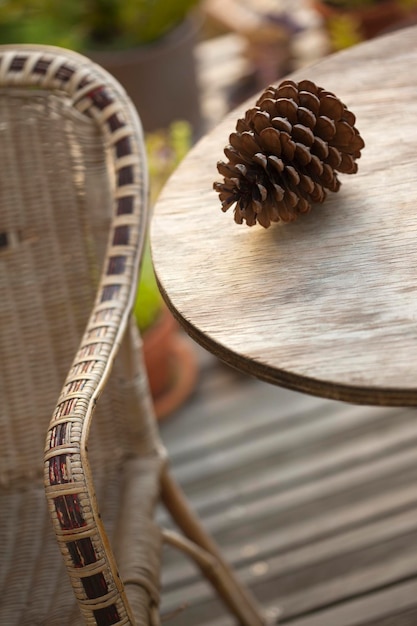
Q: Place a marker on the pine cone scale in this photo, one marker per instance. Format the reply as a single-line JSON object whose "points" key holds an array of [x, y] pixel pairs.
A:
{"points": [[261, 121], [260, 158], [344, 135], [287, 108], [320, 148], [292, 175], [271, 140], [276, 163], [331, 107], [334, 158], [310, 102], [281, 123], [302, 134], [287, 147], [306, 117], [303, 154], [325, 128]]}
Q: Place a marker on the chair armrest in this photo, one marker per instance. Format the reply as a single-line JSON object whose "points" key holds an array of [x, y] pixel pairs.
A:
{"points": [[69, 488]]}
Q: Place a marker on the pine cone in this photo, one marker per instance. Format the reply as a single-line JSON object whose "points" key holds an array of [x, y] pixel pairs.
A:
{"points": [[286, 152]]}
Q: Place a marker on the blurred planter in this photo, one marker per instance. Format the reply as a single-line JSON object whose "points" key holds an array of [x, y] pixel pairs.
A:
{"points": [[160, 77], [347, 26], [169, 356], [147, 44], [170, 362]]}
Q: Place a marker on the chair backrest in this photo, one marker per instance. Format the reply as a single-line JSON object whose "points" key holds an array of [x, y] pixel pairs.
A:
{"points": [[56, 201], [54, 222], [73, 218]]}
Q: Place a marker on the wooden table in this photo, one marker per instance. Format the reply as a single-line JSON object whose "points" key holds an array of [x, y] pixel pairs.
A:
{"points": [[325, 491], [327, 304]]}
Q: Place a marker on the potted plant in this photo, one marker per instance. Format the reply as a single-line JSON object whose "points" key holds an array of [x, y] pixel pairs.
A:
{"points": [[169, 358], [351, 21], [148, 45]]}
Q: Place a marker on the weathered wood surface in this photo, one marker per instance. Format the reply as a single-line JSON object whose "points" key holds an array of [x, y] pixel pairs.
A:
{"points": [[327, 304], [313, 501]]}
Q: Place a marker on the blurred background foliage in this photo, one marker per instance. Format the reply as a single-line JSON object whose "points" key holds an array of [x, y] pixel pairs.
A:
{"points": [[90, 24], [165, 149]]}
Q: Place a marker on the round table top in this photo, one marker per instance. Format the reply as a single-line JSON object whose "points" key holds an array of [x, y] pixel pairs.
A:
{"points": [[327, 304]]}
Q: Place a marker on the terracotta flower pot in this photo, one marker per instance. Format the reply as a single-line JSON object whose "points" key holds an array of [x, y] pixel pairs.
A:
{"points": [[371, 20], [171, 364]]}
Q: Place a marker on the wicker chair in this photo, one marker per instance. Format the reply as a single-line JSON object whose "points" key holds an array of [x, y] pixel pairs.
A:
{"points": [[73, 201]]}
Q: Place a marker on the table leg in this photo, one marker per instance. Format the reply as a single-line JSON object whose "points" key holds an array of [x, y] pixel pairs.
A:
{"points": [[239, 599]]}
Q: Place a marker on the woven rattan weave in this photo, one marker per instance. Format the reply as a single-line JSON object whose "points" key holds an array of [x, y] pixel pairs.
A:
{"points": [[72, 224]]}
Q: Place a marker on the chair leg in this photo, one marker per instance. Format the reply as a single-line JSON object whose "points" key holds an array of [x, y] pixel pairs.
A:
{"points": [[239, 599]]}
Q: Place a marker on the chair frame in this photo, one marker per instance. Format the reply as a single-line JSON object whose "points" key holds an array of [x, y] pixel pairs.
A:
{"points": [[82, 538]]}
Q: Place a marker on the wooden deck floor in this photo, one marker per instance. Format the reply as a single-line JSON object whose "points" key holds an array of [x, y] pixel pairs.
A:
{"points": [[313, 501]]}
